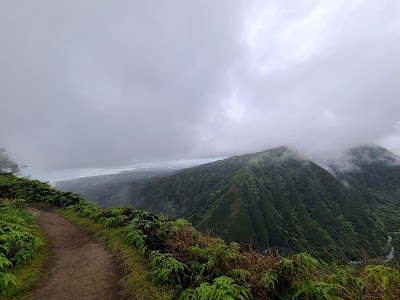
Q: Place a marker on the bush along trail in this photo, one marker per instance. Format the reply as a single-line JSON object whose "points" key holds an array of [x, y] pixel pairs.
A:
{"points": [[191, 265], [20, 241]]}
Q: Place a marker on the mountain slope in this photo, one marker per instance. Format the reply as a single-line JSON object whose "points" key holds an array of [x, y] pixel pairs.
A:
{"points": [[271, 199], [374, 172]]}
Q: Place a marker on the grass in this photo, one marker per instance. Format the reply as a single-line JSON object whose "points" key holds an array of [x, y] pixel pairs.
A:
{"points": [[137, 281]]}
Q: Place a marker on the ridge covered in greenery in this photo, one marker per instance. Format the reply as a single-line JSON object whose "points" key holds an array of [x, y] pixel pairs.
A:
{"points": [[198, 266], [373, 173], [272, 199]]}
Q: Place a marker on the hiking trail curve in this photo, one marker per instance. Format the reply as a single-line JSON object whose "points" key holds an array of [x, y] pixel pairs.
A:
{"points": [[78, 267]]}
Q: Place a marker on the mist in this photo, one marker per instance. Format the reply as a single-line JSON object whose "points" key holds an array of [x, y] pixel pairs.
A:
{"points": [[105, 85]]}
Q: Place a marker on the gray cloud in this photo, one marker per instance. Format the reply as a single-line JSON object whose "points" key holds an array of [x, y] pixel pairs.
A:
{"points": [[101, 84]]}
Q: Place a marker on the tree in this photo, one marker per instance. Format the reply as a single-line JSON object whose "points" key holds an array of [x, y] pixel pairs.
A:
{"points": [[7, 164]]}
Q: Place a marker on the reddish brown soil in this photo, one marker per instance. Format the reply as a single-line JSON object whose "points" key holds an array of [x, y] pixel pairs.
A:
{"points": [[78, 267]]}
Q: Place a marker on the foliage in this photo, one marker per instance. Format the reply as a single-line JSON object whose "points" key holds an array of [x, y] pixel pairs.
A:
{"points": [[269, 280], [167, 269], [200, 266], [135, 237], [86, 209], [222, 288], [18, 240], [7, 164], [384, 281], [317, 290], [12, 187]]}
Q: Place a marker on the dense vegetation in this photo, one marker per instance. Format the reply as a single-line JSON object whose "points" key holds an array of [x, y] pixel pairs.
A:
{"points": [[374, 173], [19, 238], [198, 266], [274, 200]]}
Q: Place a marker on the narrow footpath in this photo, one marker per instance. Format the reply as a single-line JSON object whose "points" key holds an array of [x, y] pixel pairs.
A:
{"points": [[78, 267]]}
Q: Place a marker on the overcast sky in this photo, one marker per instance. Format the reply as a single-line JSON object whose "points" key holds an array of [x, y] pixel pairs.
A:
{"points": [[100, 84]]}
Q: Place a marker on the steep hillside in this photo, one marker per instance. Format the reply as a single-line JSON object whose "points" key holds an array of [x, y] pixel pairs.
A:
{"points": [[271, 199], [373, 173], [371, 167]]}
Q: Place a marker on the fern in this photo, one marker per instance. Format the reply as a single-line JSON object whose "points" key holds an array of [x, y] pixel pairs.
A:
{"points": [[343, 275], [317, 290], [268, 280], [7, 279], [166, 268], [384, 278], [4, 262], [222, 288], [17, 239], [241, 276], [135, 237]]}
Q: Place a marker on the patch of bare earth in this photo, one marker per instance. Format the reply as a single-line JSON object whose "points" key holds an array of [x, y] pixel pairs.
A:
{"points": [[78, 267]]}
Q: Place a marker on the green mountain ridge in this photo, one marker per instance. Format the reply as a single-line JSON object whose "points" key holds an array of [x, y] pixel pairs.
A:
{"points": [[273, 199], [279, 200], [375, 173]]}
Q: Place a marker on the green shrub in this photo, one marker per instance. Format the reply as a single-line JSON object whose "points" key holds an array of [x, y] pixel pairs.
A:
{"points": [[135, 237], [317, 290], [222, 288], [166, 268], [384, 281], [17, 239]]}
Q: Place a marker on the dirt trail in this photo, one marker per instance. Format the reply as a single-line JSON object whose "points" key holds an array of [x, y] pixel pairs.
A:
{"points": [[78, 267]]}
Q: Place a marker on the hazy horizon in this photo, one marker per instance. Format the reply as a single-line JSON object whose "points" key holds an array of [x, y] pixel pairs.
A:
{"points": [[69, 174]]}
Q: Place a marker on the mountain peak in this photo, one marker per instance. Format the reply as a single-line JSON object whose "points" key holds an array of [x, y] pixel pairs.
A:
{"points": [[358, 158], [373, 154], [278, 153]]}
